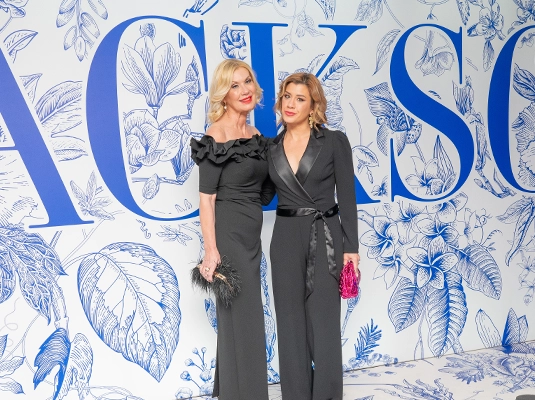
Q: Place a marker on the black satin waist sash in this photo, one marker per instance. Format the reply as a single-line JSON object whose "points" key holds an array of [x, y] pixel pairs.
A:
{"points": [[313, 240]]}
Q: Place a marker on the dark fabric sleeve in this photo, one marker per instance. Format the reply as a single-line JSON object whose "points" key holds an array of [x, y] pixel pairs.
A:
{"points": [[209, 173], [345, 191], [267, 192]]}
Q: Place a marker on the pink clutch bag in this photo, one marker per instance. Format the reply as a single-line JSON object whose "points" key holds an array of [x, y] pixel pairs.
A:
{"points": [[349, 282]]}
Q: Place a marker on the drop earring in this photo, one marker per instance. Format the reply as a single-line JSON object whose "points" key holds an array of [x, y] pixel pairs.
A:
{"points": [[225, 106], [311, 121]]}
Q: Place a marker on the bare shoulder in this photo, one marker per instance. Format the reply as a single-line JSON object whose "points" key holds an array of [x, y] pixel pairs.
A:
{"points": [[217, 132], [254, 131]]}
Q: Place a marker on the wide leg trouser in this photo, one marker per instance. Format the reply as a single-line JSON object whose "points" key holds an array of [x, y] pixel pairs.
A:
{"points": [[308, 329]]}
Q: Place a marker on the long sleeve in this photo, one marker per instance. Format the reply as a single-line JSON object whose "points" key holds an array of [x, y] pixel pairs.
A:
{"points": [[268, 192], [345, 190]]}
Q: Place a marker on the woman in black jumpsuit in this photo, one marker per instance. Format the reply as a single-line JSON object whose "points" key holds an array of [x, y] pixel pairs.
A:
{"points": [[232, 159], [313, 238]]}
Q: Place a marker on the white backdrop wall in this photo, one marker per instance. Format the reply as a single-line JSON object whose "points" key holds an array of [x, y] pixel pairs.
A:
{"points": [[98, 195]]}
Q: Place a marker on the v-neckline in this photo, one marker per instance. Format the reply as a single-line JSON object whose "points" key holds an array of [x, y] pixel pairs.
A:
{"points": [[301, 159]]}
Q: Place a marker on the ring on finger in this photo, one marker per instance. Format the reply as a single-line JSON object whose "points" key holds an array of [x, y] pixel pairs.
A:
{"points": [[206, 269]]}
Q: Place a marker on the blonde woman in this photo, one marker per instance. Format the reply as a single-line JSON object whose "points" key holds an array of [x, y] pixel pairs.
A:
{"points": [[233, 185], [313, 238]]}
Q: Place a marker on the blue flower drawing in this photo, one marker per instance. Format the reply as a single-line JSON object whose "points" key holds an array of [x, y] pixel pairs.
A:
{"points": [[490, 25], [205, 370], [232, 43], [419, 253], [436, 58], [392, 120], [13, 9], [525, 12]]}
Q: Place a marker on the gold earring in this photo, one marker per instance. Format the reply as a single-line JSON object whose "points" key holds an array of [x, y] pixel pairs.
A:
{"points": [[311, 121]]}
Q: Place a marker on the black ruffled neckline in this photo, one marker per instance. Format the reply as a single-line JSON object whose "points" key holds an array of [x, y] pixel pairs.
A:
{"points": [[236, 149]]}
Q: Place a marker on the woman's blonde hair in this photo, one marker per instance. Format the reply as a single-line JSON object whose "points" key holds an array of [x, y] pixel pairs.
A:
{"points": [[220, 86], [319, 102]]}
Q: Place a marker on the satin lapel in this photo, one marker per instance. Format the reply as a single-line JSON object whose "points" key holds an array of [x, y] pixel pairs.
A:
{"points": [[315, 143], [284, 170]]}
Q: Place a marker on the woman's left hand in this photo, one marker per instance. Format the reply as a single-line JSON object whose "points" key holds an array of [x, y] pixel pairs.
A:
{"points": [[353, 257]]}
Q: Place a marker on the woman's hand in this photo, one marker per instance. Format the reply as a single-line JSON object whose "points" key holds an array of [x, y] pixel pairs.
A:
{"points": [[209, 264], [355, 258]]}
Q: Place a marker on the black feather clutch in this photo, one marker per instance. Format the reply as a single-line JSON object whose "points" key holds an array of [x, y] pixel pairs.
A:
{"points": [[225, 285]]}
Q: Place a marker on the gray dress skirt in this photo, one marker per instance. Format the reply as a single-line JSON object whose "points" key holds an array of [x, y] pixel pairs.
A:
{"points": [[236, 172]]}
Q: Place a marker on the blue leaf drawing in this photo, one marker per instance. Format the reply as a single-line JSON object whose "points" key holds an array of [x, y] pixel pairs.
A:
{"points": [[30, 84], [523, 211], [370, 10], [524, 83], [17, 41], [68, 148], [446, 310], [200, 7], [232, 43], [464, 10], [7, 276], [406, 304], [351, 304], [488, 55], [54, 352], [85, 30], [194, 91], [480, 271], [332, 84], [328, 7], [306, 24], [130, 296], [488, 333], [421, 390], [209, 307], [89, 201], [59, 109], [79, 366], [36, 264], [8, 367], [515, 333], [3, 343], [368, 339], [365, 159], [383, 48]]}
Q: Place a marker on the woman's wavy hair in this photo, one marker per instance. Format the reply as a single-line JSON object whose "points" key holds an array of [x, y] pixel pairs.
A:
{"points": [[220, 86], [319, 102]]}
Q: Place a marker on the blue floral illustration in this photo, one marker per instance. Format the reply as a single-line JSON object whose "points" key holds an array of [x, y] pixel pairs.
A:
{"points": [[17, 41], [151, 70], [525, 12], [232, 43], [425, 245], [436, 59], [392, 121], [420, 391], [206, 383], [490, 25], [382, 189], [524, 85], [13, 9], [85, 31], [464, 99], [7, 367], [512, 369]]}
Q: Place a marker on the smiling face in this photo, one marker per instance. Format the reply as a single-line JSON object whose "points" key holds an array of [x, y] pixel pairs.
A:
{"points": [[296, 105], [241, 96]]}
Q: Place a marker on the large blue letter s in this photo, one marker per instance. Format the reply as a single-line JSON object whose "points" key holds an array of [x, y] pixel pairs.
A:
{"points": [[430, 111]]}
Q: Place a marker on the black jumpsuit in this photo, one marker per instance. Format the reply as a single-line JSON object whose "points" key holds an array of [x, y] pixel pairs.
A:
{"points": [[235, 171], [306, 296]]}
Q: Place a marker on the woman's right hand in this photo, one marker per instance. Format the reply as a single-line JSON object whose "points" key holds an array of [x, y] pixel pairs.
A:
{"points": [[209, 264]]}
